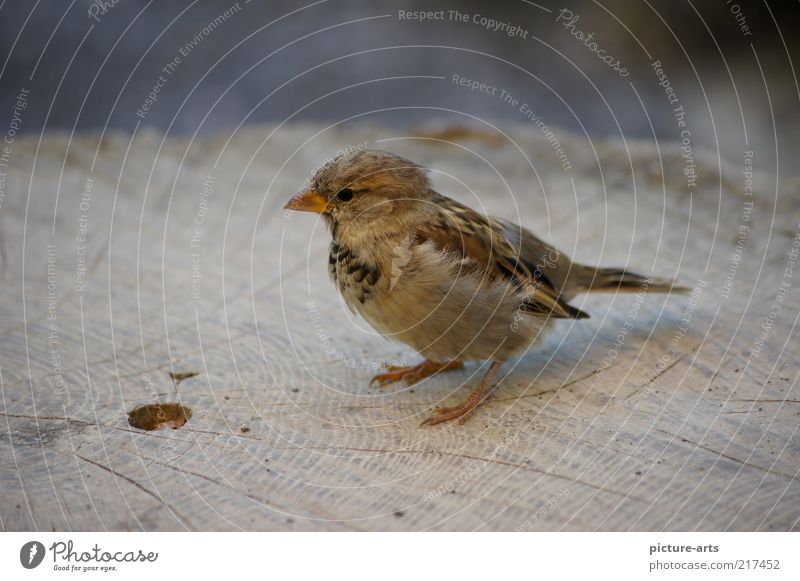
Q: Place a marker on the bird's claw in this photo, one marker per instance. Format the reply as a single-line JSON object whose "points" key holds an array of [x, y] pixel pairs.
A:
{"points": [[462, 413], [394, 373]]}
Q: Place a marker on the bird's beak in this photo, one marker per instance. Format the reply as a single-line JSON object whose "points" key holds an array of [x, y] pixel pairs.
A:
{"points": [[308, 201]]}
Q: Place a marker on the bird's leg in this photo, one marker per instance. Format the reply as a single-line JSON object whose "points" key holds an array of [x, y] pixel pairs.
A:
{"points": [[415, 373], [464, 411]]}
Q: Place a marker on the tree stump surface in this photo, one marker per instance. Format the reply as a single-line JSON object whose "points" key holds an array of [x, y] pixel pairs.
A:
{"points": [[150, 270]]}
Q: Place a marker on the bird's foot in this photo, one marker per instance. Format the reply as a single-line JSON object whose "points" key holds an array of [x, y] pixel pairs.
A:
{"points": [[464, 411], [461, 412], [415, 373]]}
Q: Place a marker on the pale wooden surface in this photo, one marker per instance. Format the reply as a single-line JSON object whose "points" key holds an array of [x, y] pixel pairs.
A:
{"points": [[706, 440]]}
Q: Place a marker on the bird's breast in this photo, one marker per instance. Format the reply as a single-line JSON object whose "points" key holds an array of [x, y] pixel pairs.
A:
{"points": [[424, 299], [354, 275]]}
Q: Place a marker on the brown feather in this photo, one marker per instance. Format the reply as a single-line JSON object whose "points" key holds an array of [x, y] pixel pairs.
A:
{"points": [[487, 253]]}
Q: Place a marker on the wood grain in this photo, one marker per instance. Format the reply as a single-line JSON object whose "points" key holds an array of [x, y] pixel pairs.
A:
{"points": [[657, 413]]}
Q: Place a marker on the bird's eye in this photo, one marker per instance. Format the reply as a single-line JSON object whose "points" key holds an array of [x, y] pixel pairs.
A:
{"points": [[345, 195]]}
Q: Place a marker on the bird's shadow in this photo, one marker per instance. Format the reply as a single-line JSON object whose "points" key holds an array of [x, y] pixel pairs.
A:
{"points": [[573, 351]]}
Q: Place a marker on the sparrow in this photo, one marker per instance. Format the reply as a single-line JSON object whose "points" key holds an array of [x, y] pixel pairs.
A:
{"points": [[434, 274]]}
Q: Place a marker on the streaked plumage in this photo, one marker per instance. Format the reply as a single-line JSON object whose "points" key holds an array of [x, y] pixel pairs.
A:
{"points": [[438, 276]]}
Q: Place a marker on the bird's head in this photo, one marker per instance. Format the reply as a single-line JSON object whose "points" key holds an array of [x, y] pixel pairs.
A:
{"points": [[367, 191]]}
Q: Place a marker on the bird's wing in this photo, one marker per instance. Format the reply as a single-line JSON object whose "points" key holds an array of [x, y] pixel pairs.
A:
{"points": [[484, 248]]}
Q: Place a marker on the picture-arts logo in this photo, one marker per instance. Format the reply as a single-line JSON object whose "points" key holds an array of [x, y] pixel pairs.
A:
{"points": [[31, 554]]}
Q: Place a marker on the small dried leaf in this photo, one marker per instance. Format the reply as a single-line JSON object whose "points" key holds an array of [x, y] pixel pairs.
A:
{"points": [[157, 416], [178, 377]]}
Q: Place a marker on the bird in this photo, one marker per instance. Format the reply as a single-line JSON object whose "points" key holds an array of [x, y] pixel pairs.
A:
{"points": [[451, 283]]}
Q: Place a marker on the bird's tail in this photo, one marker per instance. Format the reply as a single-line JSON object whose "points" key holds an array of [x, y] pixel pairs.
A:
{"points": [[621, 280]]}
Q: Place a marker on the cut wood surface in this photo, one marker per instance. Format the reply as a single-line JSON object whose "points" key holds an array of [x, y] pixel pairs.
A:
{"points": [[150, 270]]}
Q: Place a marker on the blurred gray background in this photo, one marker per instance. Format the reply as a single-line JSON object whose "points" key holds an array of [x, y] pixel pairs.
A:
{"points": [[91, 65]]}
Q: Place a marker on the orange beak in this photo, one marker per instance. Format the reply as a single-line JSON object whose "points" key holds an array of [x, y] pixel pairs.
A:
{"points": [[308, 201]]}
